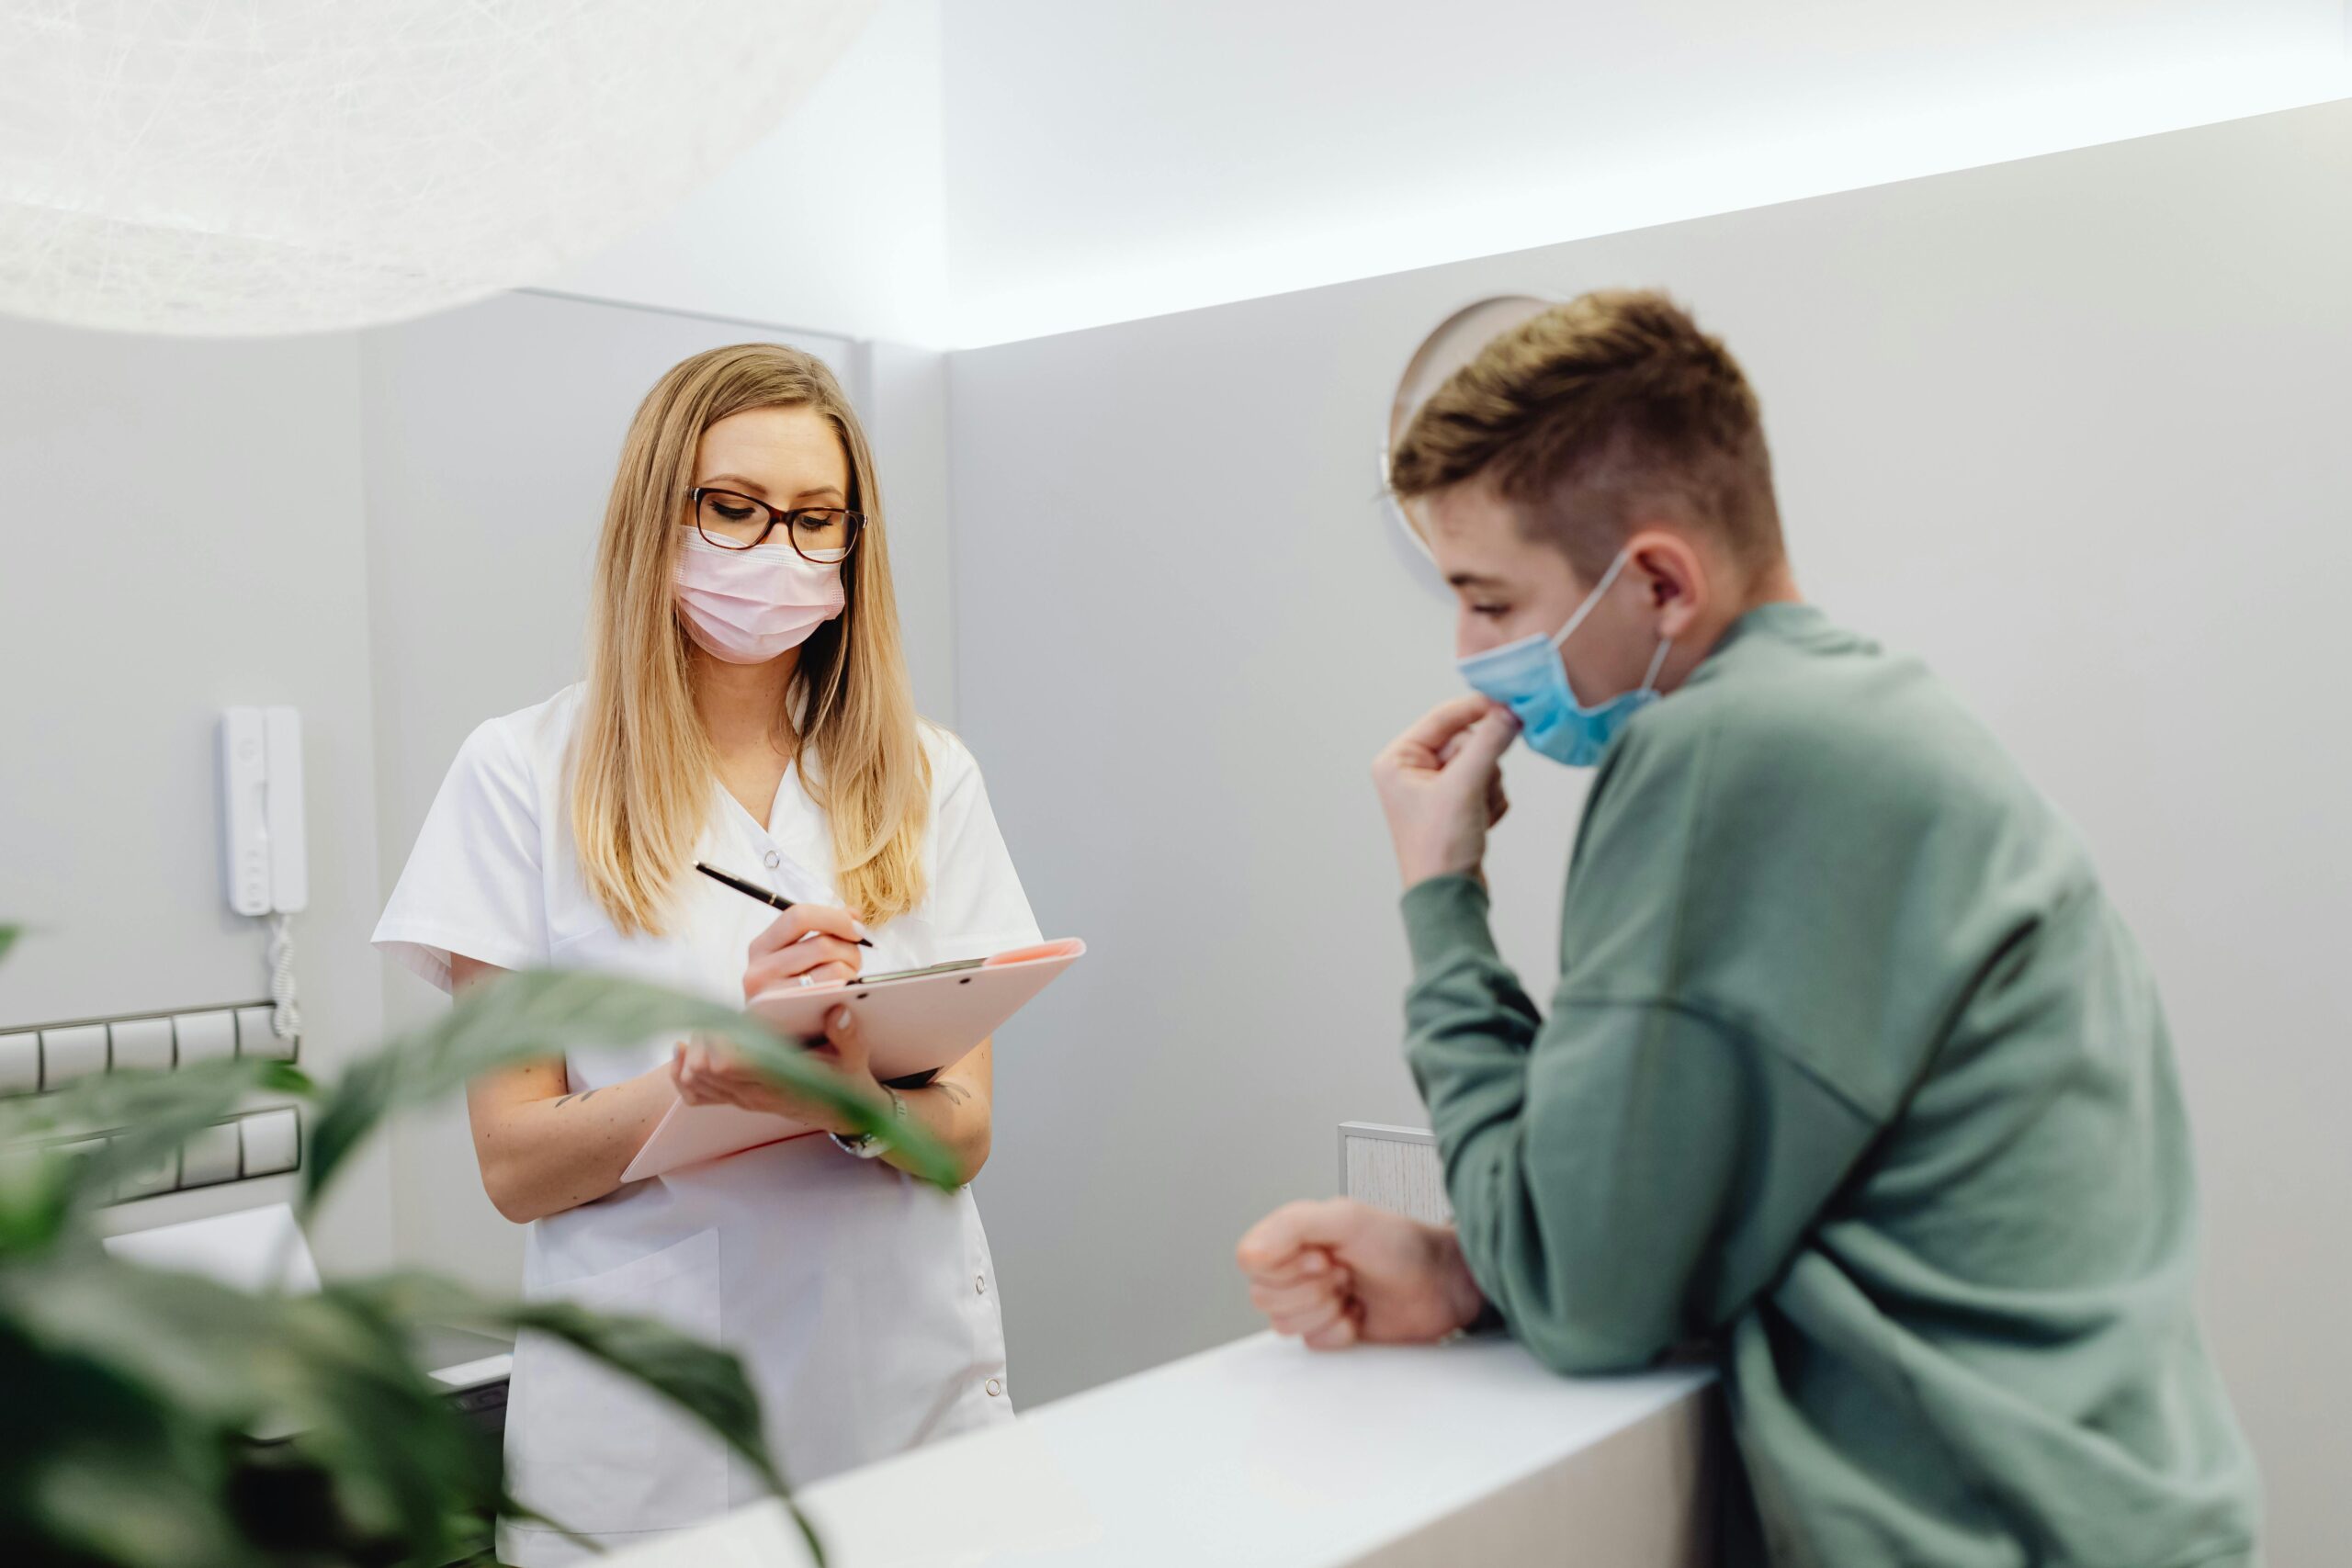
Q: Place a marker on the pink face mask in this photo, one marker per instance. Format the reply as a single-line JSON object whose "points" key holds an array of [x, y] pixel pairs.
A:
{"points": [[747, 606]]}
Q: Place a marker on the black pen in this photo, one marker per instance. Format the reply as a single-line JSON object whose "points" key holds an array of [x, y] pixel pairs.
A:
{"points": [[753, 890]]}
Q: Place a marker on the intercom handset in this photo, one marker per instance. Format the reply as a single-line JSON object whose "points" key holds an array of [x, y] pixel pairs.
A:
{"points": [[266, 866], [261, 770]]}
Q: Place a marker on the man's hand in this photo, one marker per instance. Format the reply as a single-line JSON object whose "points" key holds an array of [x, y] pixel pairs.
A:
{"points": [[1442, 784], [708, 1073], [1337, 1272]]}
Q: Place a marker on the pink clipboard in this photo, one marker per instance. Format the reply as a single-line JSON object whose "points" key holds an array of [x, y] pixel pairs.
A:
{"points": [[915, 1021]]}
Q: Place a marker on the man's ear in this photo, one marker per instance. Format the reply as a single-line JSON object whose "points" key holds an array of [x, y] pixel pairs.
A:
{"points": [[1673, 574]]}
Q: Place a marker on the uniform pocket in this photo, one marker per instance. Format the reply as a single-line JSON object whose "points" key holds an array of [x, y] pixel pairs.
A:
{"points": [[598, 1451]]}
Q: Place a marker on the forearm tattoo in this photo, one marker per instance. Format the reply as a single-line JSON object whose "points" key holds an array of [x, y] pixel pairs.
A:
{"points": [[585, 1095]]}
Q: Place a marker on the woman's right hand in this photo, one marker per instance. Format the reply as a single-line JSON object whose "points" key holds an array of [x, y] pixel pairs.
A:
{"points": [[707, 1072], [808, 944]]}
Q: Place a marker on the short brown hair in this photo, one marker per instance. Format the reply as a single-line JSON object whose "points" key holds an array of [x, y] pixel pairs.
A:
{"points": [[1612, 404]]}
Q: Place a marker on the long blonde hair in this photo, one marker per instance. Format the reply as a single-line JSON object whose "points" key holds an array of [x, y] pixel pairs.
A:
{"points": [[642, 763]]}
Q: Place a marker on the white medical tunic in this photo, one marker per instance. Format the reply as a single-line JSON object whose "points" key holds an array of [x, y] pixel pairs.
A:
{"points": [[862, 1303]]}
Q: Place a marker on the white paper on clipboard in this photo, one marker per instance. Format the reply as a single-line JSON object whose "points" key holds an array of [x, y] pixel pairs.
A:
{"points": [[916, 1021]]}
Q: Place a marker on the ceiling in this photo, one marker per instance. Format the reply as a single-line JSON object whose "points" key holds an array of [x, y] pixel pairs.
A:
{"points": [[987, 170]]}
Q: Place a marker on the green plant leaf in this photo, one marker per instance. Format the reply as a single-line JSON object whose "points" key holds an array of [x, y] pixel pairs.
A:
{"points": [[536, 1013], [169, 1368], [407, 1465], [37, 1189], [155, 1395], [8, 935], [190, 1339], [708, 1382], [107, 1471], [375, 1463]]}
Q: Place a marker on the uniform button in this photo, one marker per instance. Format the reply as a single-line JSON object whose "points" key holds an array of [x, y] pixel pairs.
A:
{"points": [[774, 860], [980, 1284], [996, 1388]]}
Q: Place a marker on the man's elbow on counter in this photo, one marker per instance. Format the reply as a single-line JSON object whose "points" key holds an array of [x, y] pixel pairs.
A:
{"points": [[1578, 1345], [1572, 1308]]}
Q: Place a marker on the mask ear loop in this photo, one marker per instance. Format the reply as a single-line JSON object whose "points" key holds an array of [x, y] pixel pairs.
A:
{"points": [[1593, 598], [1657, 662]]}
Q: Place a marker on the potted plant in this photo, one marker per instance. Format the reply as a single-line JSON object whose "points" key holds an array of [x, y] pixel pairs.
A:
{"points": [[162, 1420]]}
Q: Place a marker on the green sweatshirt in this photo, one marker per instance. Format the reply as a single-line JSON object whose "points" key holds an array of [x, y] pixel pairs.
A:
{"points": [[1854, 1074]]}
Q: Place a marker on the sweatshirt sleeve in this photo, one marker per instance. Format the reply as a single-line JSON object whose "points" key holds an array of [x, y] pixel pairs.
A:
{"points": [[1629, 1171]]}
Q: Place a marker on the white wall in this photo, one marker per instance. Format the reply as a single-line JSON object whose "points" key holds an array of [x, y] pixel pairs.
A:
{"points": [[2073, 428], [1108, 161], [182, 534], [834, 220]]}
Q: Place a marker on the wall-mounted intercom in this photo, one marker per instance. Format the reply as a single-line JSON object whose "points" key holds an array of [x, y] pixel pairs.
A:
{"points": [[266, 865], [261, 777]]}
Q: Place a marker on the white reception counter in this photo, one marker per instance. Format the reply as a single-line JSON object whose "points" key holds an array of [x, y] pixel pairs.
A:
{"points": [[1262, 1453]]}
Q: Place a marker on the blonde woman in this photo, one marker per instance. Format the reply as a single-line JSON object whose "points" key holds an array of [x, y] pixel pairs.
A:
{"points": [[746, 705]]}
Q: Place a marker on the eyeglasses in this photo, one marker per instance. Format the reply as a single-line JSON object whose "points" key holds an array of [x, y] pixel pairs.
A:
{"points": [[824, 535]]}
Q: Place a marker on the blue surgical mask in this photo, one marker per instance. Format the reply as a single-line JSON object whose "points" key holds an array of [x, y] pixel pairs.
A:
{"points": [[1528, 678]]}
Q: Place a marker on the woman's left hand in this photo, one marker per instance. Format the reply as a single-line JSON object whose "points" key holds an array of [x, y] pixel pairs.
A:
{"points": [[707, 1073]]}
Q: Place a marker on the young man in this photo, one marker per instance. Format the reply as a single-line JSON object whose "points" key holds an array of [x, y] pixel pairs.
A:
{"points": [[1852, 1074]]}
